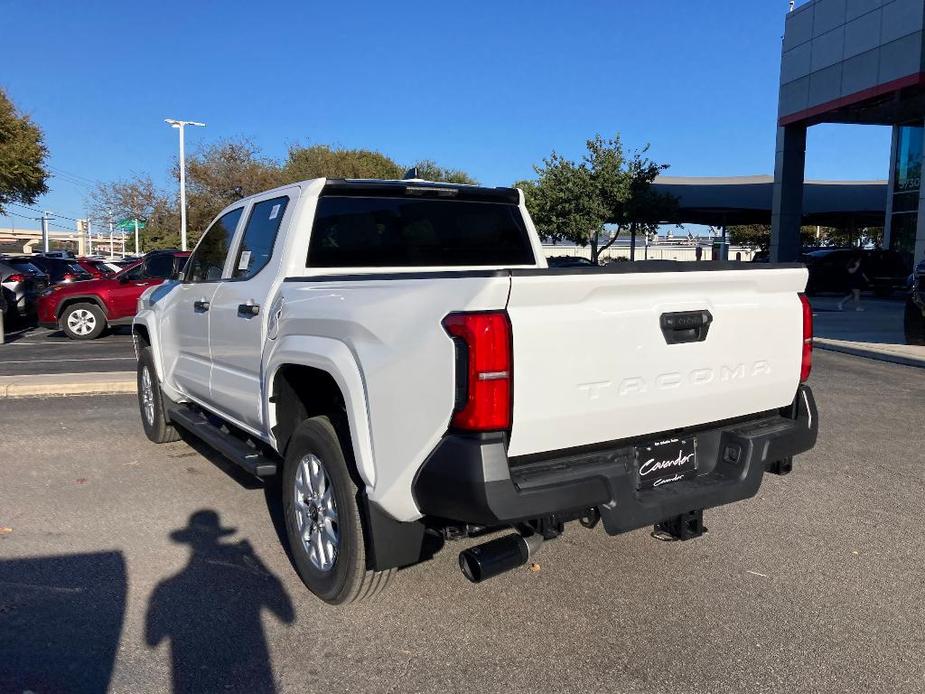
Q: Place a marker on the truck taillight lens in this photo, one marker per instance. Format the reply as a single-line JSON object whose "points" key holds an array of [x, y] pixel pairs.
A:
{"points": [[484, 370], [15, 277], [806, 365]]}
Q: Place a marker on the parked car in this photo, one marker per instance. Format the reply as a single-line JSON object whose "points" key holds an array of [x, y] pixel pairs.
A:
{"points": [[59, 270], [914, 320], [98, 267], [568, 261], [83, 310], [401, 355], [22, 283], [59, 254], [885, 270]]}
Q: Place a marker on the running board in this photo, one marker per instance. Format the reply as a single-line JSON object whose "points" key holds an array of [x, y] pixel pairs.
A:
{"points": [[231, 447]]}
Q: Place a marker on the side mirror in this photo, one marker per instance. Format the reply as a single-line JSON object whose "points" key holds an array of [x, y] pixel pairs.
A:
{"points": [[123, 280]]}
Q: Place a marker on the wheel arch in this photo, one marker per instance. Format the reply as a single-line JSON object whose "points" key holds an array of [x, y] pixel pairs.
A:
{"points": [[144, 334], [70, 300], [309, 376]]}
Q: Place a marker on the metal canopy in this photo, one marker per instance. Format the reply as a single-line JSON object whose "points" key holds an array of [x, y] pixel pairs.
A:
{"points": [[719, 201]]}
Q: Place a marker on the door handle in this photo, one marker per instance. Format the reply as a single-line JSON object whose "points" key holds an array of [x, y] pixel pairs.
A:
{"points": [[248, 310], [686, 326], [201, 306]]}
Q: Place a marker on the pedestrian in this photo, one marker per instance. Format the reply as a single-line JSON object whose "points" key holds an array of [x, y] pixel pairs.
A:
{"points": [[857, 281]]}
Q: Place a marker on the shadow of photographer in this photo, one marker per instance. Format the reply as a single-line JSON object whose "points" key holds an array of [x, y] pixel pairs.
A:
{"points": [[210, 612]]}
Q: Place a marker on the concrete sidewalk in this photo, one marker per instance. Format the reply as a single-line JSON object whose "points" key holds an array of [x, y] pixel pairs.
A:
{"points": [[874, 333], [48, 385]]}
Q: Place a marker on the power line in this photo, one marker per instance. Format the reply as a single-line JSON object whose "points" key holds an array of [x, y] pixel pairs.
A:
{"points": [[70, 174]]}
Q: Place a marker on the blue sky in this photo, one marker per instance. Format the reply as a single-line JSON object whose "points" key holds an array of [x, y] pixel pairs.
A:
{"points": [[489, 87]]}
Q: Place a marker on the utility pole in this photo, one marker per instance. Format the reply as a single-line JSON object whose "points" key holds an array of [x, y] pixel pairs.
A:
{"points": [[89, 236], [180, 125], [45, 231], [136, 235], [112, 245]]}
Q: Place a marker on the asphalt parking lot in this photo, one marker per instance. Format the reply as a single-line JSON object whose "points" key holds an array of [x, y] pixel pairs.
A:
{"points": [[33, 350], [815, 585]]}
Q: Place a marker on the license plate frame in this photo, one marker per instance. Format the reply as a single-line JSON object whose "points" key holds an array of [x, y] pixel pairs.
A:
{"points": [[663, 462]]}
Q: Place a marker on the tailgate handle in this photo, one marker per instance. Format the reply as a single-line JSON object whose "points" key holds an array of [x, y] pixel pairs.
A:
{"points": [[686, 326]]}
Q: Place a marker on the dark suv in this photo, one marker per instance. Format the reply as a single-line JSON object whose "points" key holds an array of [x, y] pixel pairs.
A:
{"points": [[886, 270], [914, 322], [59, 270]]}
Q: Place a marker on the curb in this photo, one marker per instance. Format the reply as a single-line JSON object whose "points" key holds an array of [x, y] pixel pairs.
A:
{"points": [[55, 385], [878, 355]]}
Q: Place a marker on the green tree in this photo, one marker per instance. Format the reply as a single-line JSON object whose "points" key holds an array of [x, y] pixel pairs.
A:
{"points": [[324, 161], [574, 200], [429, 170], [751, 235], [23, 173]]}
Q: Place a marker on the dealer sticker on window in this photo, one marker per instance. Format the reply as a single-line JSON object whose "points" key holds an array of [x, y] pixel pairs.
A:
{"points": [[245, 260]]}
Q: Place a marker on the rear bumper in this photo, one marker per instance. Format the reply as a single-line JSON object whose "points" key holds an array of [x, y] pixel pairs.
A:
{"points": [[469, 479]]}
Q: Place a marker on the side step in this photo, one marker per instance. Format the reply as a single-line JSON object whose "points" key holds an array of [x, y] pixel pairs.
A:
{"points": [[231, 447]]}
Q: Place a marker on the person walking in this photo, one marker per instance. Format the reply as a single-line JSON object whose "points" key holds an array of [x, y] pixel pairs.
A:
{"points": [[857, 281]]}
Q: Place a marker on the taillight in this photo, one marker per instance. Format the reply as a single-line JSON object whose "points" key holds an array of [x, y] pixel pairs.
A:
{"points": [[806, 365], [67, 276], [15, 277], [484, 370]]}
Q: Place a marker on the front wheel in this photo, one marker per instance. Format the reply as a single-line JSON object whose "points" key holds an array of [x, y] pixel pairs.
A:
{"points": [[151, 401], [83, 321], [323, 519]]}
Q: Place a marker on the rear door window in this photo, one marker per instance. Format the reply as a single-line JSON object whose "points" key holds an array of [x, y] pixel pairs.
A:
{"points": [[207, 262], [256, 247], [351, 231]]}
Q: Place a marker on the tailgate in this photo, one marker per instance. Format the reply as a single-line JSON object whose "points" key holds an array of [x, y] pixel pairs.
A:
{"points": [[592, 362]]}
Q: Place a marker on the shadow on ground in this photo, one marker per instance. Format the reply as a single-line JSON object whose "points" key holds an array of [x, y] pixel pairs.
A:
{"points": [[60, 621], [210, 612]]}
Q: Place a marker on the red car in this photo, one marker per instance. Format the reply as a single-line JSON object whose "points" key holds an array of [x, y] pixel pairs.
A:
{"points": [[83, 310], [98, 268]]}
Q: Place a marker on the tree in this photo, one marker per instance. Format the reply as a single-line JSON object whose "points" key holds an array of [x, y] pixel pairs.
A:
{"points": [[430, 171], [219, 174], [575, 200], [324, 161], [138, 198], [752, 235], [23, 173], [759, 235]]}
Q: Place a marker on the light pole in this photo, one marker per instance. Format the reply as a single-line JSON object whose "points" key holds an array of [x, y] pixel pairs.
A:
{"points": [[180, 125]]}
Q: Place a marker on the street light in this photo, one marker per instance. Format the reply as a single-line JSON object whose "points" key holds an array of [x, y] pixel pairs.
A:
{"points": [[180, 125]]}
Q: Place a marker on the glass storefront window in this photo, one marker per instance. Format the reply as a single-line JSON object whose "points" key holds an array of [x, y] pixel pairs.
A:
{"points": [[909, 159], [902, 234]]}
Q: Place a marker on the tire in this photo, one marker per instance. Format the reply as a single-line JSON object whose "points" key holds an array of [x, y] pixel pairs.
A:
{"points": [[914, 324], [332, 560], [151, 401], [83, 321]]}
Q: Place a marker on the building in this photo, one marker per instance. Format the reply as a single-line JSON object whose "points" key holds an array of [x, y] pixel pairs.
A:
{"points": [[853, 61]]}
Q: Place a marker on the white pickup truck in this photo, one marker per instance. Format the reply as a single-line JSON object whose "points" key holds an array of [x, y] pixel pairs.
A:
{"points": [[401, 355]]}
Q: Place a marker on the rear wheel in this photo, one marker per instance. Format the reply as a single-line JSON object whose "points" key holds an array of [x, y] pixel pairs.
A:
{"points": [[914, 324], [83, 321], [323, 518], [151, 401]]}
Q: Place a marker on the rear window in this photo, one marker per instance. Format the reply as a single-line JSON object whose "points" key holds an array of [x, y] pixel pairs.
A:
{"points": [[400, 232], [27, 267]]}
